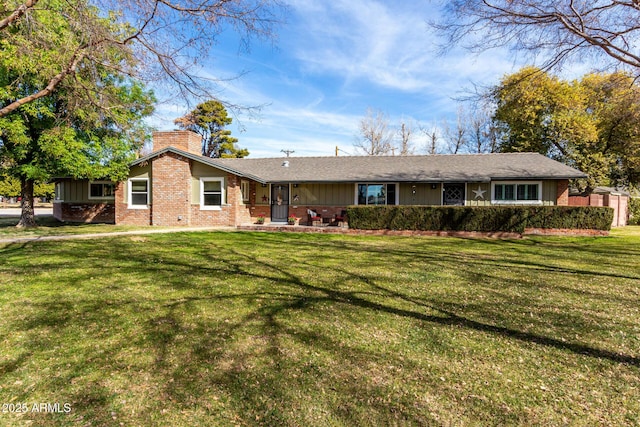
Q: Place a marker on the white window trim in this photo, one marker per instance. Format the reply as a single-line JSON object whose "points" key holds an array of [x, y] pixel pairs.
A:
{"points": [[397, 184], [515, 202], [130, 198], [102, 197], [244, 183], [57, 197], [222, 194]]}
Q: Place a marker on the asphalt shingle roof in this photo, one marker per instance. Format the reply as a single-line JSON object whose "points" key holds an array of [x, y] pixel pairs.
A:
{"points": [[433, 168]]}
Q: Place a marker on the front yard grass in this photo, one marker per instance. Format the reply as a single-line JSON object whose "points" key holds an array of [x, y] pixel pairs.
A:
{"points": [[230, 328], [47, 225]]}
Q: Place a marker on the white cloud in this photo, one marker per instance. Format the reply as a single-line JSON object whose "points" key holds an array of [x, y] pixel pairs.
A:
{"points": [[388, 45], [335, 60]]}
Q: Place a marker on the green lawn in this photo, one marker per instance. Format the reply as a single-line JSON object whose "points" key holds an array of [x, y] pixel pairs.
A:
{"points": [[235, 328], [49, 226]]}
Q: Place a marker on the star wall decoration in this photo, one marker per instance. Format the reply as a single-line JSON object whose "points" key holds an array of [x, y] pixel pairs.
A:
{"points": [[479, 193]]}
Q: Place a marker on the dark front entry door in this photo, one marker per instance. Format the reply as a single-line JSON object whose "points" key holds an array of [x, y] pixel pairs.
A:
{"points": [[279, 202], [453, 195]]}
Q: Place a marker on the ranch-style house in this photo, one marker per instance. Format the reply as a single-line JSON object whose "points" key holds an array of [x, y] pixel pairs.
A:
{"points": [[175, 185]]}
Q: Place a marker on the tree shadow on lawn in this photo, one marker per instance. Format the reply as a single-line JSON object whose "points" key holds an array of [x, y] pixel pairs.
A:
{"points": [[271, 331], [448, 317], [249, 367], [226, 268], [41, 221]]}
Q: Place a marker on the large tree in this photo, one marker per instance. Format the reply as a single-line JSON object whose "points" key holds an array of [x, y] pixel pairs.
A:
{"points": [[591, 124], [405, 135], [606, 31], [88, 127], [209, 119], [169, 39], [375, 138]]}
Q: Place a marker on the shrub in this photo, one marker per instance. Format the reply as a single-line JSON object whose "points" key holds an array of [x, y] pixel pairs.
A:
{"points": [[483, 219], [634, 211]]}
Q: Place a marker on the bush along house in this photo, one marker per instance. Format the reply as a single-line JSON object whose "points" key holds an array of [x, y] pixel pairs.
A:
{"points": [[175, 185]]}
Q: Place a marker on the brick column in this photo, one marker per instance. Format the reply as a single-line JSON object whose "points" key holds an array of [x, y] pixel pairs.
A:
{"points": [[563, 192], [171, 190], [181, 139], [240, 213]]}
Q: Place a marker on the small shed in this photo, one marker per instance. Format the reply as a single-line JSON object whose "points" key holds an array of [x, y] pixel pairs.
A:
{"points": [[615, 198]]}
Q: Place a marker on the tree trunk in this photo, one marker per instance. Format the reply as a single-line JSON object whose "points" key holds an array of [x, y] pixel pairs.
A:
{"points": [[27, 218]]}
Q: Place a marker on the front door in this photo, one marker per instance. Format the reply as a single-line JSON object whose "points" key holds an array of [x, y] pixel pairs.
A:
{"points": [[453, 195], [279, 202]]}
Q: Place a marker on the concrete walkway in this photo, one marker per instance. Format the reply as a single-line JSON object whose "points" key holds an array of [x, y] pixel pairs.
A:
{"points": [[111, 234], [18, 211]]}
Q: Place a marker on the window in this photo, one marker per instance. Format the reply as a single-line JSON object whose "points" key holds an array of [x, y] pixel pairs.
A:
{"points": [[244, 189], [211, 193], [101, 190], [58, 192], [517, 193], [376, 194], [138, 193]]}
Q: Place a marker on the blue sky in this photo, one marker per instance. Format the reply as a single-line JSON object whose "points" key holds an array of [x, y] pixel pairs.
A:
{"points": [[332, 61]]}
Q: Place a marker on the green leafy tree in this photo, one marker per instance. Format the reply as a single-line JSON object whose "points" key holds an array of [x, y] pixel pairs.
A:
{"points": [[614, 99], [209, 119], [44, 189], [590, 124], [89, 127], [58, 40], [9, 186]]}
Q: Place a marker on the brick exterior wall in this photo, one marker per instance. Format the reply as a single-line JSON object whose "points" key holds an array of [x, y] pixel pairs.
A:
{"points": [[232, 213], [181, 139], [563, 193], [242, 212], [171, 199], [85, 212], [171, 190], [124, 215]]}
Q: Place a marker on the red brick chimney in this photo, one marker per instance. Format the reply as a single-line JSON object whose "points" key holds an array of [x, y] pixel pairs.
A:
{"points": [[181, 139]]}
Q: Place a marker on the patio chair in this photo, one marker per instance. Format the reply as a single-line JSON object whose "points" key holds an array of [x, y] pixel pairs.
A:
{"points": [[341, 219], [314, 218]]}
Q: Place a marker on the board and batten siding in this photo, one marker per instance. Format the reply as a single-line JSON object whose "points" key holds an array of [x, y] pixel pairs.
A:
{"points": [[137, 172], [262, 194], [77, 191], [472, 199], [74, 191], [323, 194], [424, 195], [549, 193], [199, 170]]}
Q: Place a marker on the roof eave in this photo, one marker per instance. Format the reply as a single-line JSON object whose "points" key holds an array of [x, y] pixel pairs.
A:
{"points": [[197, 158]]}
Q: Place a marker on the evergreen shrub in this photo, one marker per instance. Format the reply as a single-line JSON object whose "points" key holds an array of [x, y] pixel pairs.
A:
{"points": [[479, 218]]}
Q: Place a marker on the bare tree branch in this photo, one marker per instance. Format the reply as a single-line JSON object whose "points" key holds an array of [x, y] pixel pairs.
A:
{"points": [[562, 30], [162, 41], [17, 13], [53, 83], [405, 135], [375, 138]]}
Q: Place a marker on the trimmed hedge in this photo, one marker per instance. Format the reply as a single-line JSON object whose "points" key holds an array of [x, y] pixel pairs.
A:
{"points": [[634, 211], [481, 218]]}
